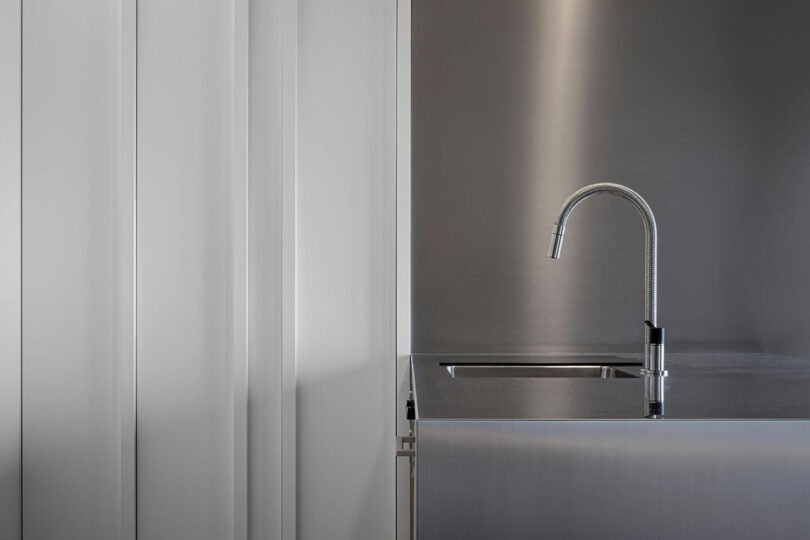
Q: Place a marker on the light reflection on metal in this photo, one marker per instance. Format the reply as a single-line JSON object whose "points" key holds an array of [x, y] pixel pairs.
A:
{"points": [[563, 44]]}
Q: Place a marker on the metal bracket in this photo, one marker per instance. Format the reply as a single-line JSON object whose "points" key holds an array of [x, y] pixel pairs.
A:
{"points": [[405, 446]]}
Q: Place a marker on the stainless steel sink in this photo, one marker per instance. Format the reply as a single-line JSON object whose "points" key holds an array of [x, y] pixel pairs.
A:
{"points": [[539, 446], [561, 371]]}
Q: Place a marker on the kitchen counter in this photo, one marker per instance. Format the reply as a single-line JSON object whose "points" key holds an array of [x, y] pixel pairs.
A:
{"points": [[752, 386]]}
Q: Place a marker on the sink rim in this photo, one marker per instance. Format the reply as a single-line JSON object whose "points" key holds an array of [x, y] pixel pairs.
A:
{"points": [[599, 371]]}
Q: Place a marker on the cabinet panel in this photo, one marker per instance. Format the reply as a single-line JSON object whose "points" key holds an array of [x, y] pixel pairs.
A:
{"points": [[270, 154], [187, 273], [72, 439], [10, 58], [346, 270]]}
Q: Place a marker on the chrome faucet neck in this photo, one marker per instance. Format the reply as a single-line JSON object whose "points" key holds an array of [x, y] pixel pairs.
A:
{"points": [[653, 336], [650, 233]]}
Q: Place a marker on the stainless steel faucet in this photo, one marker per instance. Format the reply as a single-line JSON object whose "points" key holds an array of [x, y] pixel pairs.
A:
{"points": [[653, 371]]}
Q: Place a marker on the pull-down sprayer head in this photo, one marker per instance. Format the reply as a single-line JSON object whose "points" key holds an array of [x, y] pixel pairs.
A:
{"points": [[555, 247]]}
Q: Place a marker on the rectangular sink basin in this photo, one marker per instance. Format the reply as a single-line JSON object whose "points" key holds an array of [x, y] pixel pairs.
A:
{"points": [[559, 371]]}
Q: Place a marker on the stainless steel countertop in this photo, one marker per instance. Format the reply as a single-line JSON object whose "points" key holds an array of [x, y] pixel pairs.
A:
{"points": [[754, 386]]}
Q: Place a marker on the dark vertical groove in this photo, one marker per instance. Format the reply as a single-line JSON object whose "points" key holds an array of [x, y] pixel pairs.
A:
{"points": [[396, 261], [396, 265], [21, 269], [135, 283]]}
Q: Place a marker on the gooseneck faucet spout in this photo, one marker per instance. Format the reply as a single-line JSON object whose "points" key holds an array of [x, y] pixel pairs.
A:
{"points": [[653, 336]]}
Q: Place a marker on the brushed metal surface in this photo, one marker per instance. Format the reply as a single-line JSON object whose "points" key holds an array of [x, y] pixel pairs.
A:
{"points": [[622, 480], [699, 386], [516, 104]]}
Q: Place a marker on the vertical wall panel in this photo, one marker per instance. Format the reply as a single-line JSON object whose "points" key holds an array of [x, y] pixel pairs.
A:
{"points": [[126, 247], [10, 207], [403, 241], [271, 269], [72, 440], [268, 153], [238, 212], [289, 269], [346, 269], [191, 238]]}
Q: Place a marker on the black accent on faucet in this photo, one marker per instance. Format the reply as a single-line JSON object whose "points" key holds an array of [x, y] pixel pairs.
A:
{"points": [[655, 410], [656, 334]]}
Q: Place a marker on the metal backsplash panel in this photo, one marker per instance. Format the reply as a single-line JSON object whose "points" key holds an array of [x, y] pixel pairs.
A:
{"points": [[700, 106]]}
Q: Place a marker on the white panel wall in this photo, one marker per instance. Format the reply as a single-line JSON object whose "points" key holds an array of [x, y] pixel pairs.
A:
{"points": [[10, 57], [215, 372], [76, 296], [260, 287], [346, 269], [191, 276]]}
